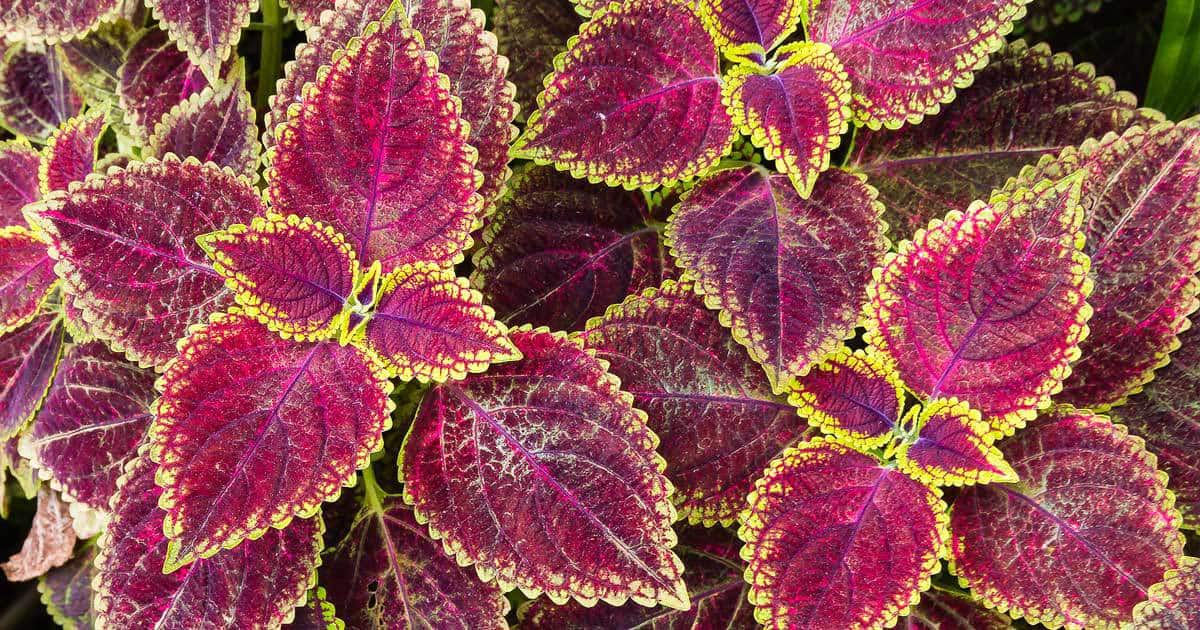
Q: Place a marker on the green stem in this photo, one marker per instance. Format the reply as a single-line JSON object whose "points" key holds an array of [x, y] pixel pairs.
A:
{"points": [[1174, 86], [271, 53], [371, 490]]}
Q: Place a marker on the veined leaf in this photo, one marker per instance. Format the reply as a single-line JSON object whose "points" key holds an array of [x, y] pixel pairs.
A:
{"points": [[530, 33], [93, 63], [855, 396], [543, 475], [67, 591], [50, 541], [28, 358], [751, 26], [953, 447], [1174, 602], [942, 610], [155, 77], [18, 180], [207, 30], [26, 276], [70, 156], [22, 20], [35, 95], [214, 125]]}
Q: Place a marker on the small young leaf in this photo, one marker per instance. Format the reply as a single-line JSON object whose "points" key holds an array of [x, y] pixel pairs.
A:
{"points": [[22, 20], [28, 358], [308, 12], [155, 77], [560, 250], [18, 180], [258, 584], [293, 423], [70, 155], [754, 26], [67, 591], [207, 30], [835, 540], [296, 276], [377, 151], [35, 95], [26, 277], [988, 306], [1174, 602], [785, 271], [711, 406], [1090, 527], [389, 573], [543, 475], [49, 543], [126, 249], [214, 125], [953, 447], [530, 33], [855, 396], [635, 101], [942, 610]]}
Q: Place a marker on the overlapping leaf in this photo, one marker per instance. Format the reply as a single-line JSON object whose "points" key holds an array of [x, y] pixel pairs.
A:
{"points": [[1043, 14], [753, 26], [155, 77], [35, 21], [905, 58], [1083, 536], [256, 585], [35, 95], [822, 523], [711, 406], [70, 155], [560, 250], [292, 421], [943, 610], [28, 358], [530, 33], [785, 271], [635, 101], [953, 447], [67, 591], [856, 396], [308, 12], [207, 30], [542, 475], [214, 125], [93, 63], [988, 306], [26, 276], [1174, 602], [50, 541], [18, 180], [316, 614]]}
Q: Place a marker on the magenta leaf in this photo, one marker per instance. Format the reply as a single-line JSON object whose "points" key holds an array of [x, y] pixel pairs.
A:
{"points": [[988, 306], [214, 125], [943, 610], [1027, 102], [295, 418], [906, 57], [711, 406], [207, 30], [126, 249], [28, 358], [155, 77], [1174, 602], [308, 12], [635, 101], [795, 111], [26, 276], [70, 155], [952, 447], [18, 180], [560, 250], [90, 424], [35, 95], [1083, 535], [525, 441], [530, 33], [258, 584], [822, 521], [786, 272], [389, 573], [856, 396], [25, 20], [393, 172], [67, 591], [751, 26]]}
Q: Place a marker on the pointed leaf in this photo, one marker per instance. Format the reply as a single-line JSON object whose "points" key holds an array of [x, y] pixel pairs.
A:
{"points": [[856, 396], [126, 249], [796, 112], [50, 541], [1027, 102], [711, 406], [294, 421], [35, 95], [28, 358], [207, 30], [67, 591], [388, 573], [91, 424], [635, 101], [543, 475], [953, 447], [377, 151], [214, 125], [1174, 602], [751, 25], [18, 180], [295, 276], [943, 610], [155, 77], [70, 156], [906, 57], [988, 306], [560, 250], [26, 277], [786, 272], [815, 537], [23, 20], [258, 584], [530, 33]]}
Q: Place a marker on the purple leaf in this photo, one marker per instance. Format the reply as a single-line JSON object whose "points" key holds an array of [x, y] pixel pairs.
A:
{"points": [[31, 20], [1080, 539], [836, 540], [258, 584], [207, 30], [377, 151], [67, 591], [542, 475], [26, 276], [906, 57], [953, 447], [635, 101], [70, 155], [786, 272], [751, 26], [560, 250], [856, 396], [988, 306], [252, 430], [711, 406], [155, 77], [93, 63], [214, 125], [126, 247], [943, 610], [18, 180], [308, 12], [35, 95], [530, 33], [28, 358], [1174, 602]]}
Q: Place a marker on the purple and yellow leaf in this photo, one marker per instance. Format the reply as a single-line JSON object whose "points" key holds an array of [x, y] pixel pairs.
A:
{"points": [[785, 272], [635, 100], [530, 33], [18, 180], [214, 125], [93, 63], [294, 420], [207, 30], [317, 613], [711, 406], [307, 13], [750, 26], [50, 541], [127, 252], [35, 95], [259, 584], [815, 531], [26, 276], [1084, 534], [155, 77], [943, 610], [67, 591], [23, 20], [988, 306], [855, 396], [70, 156], [554, 446], [1174, 602], [28, 358], [952, 447], [905, 58], [378, 151]]}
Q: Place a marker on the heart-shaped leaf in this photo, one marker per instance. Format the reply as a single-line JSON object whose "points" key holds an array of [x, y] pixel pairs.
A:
{"points": [[214, 125], [23, 20], [207, 30], [635, 100], [26, 276], [988, 306], [50, 541], [67, 591], [28, 358], [70, 156], [155, 77], [786, 272], [855, 396], [1090, 527], [292, 420], [543, 475], [18, 180], [953, 447], [530, 33], [35, 95], [126, 249], [751, 26], [1173, 602], [711, 406], [943, 610], [822, 520]]}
